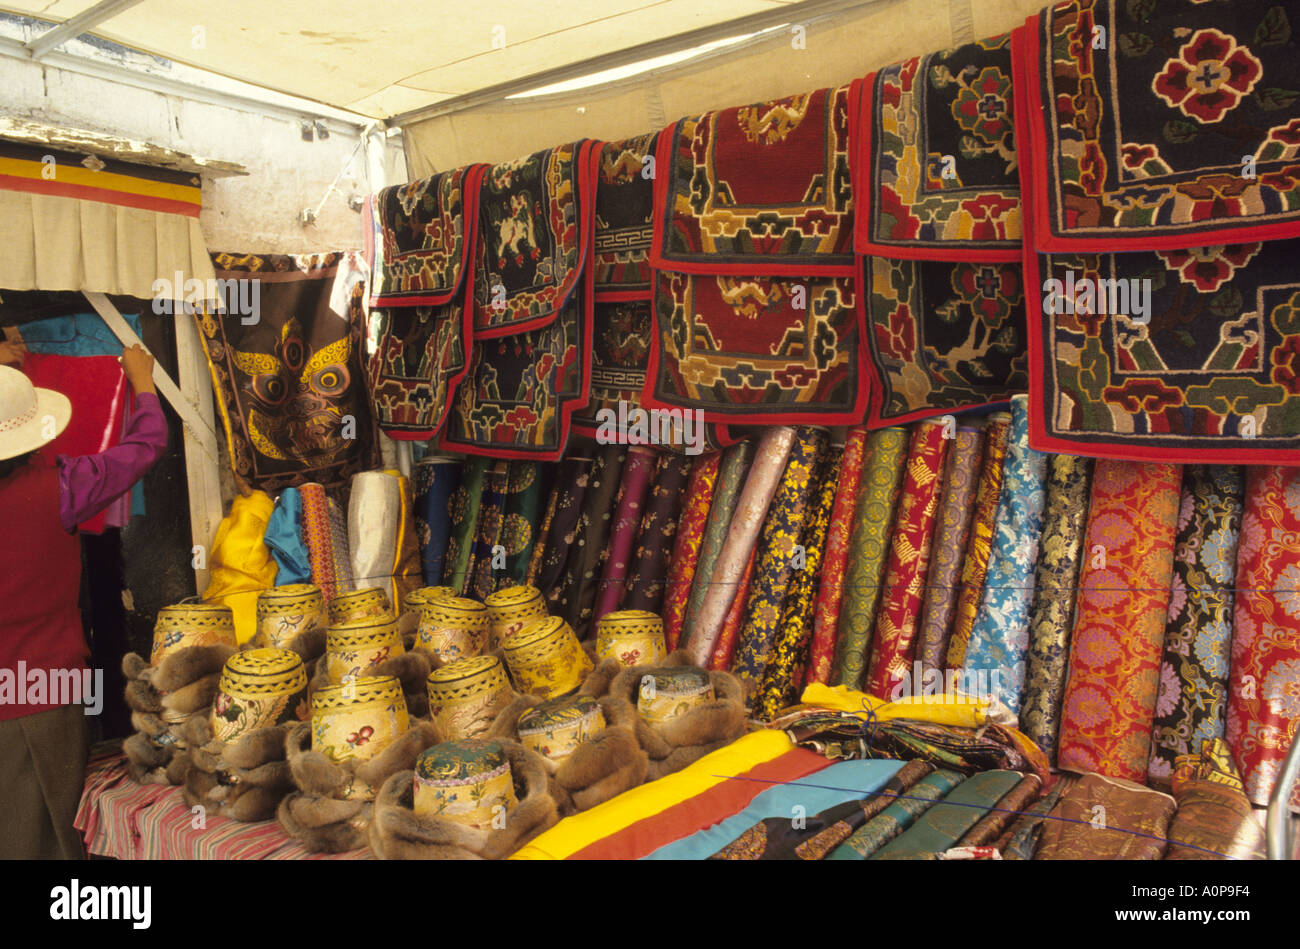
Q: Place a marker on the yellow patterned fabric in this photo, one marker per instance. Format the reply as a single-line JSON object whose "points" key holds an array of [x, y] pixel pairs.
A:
{"points": [[938, 709], [241, 564]]}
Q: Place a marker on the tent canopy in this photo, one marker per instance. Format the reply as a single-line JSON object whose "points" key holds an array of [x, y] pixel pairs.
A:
{"points": [[381, 59]]}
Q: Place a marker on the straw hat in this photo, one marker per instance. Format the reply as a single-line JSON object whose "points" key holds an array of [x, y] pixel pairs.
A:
{"points": [[29, 417]]}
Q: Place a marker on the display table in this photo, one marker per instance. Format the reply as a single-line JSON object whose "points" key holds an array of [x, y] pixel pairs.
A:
{"points": [[127, 821]]}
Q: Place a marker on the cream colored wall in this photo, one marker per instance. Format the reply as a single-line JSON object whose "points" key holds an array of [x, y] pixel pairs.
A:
{"points": [[835, 52]]}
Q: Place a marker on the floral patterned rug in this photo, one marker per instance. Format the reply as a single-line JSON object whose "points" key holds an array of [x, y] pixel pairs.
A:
{"points": [[1161, 125]]}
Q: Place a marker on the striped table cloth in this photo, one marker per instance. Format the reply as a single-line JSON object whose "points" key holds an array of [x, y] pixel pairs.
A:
{"points": [[127, 821]]}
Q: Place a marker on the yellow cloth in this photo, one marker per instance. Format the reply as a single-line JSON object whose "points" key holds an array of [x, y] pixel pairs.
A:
{"points": [[582, 830], [940, 709], [241, 564]]}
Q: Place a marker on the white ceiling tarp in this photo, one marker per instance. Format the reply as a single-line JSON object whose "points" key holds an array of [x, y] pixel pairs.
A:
{"points": [[384, 58]]}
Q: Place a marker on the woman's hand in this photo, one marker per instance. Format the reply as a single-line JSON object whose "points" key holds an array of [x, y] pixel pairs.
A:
{"points": [[12, 354], [138, 366]]}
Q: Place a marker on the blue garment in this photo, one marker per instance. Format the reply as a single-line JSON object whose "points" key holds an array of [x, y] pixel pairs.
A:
{"points": [[840, 782], [434, 483], [82, 334], [284, 537]]}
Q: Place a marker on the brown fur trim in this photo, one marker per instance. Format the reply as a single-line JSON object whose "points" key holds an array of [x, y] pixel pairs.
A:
{"points": [[309, 644], [298, 812], [144, 754], [411, 669], [148, 725], [506, 724], [253, 804], [133, 666], [258, 747], [273, 774], [189, 665], [312, 772], [673, 745], [398, 833], [399, 756], [190, 698], [603, 767], [600, 678], [179, 767], [142, 697]]}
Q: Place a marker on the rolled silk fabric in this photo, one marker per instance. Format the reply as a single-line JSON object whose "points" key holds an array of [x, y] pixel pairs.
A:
{"points": [[1214, 820], [779, 685], [899, 613], [686, 546], [436, 481], [321, 553], [725, 648], [1051, 619], [948, 820], [873, 517], [980, 545], [1110, 697], [648, 575], [543, 533], [563, 512], [577, 597], [777, 559], [726, 492], [897, 817], [374, 507], [284, 538], [338, 524], [994, 824], [747, 521], [1264, 690], [520, 520], [830, 591], [483, 566], [952, 532], [1101, 818], [463, 510], [638, 471], [406, 564], [999, 636], [1192, 704], [812, 838]]}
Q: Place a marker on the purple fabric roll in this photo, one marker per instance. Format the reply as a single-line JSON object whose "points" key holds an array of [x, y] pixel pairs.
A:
{"points": [[632, 491]]}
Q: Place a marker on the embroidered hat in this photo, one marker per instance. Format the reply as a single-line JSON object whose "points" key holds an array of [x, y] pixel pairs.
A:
{"points": [[29, 417]]}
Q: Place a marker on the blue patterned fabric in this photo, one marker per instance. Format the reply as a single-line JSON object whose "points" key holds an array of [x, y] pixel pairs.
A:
{"points": [[840, 782], [284, 537], [434, 483], [999, 638]]}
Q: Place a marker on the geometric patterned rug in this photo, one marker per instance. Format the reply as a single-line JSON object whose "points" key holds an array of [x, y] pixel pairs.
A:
{"points": [[419, 358], [1184, 130], [425, 238], [758, 190], [757, 350], [624, 206], [1207, 369], [521, 391], [535, 231], [944, 337], [935, 157]]}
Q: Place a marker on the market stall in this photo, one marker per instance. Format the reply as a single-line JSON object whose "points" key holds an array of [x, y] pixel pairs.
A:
{"points": [[903, 468]]}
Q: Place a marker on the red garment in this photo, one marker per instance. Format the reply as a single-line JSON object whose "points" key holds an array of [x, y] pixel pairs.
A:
{"points": [[96, 387], [41, 624]]}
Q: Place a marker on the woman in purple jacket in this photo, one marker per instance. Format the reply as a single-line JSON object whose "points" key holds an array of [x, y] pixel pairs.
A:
{"points": [[42, 500]]}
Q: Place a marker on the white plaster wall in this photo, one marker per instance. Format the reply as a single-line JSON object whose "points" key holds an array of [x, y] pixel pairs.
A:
{"points": [[258, 213]]}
